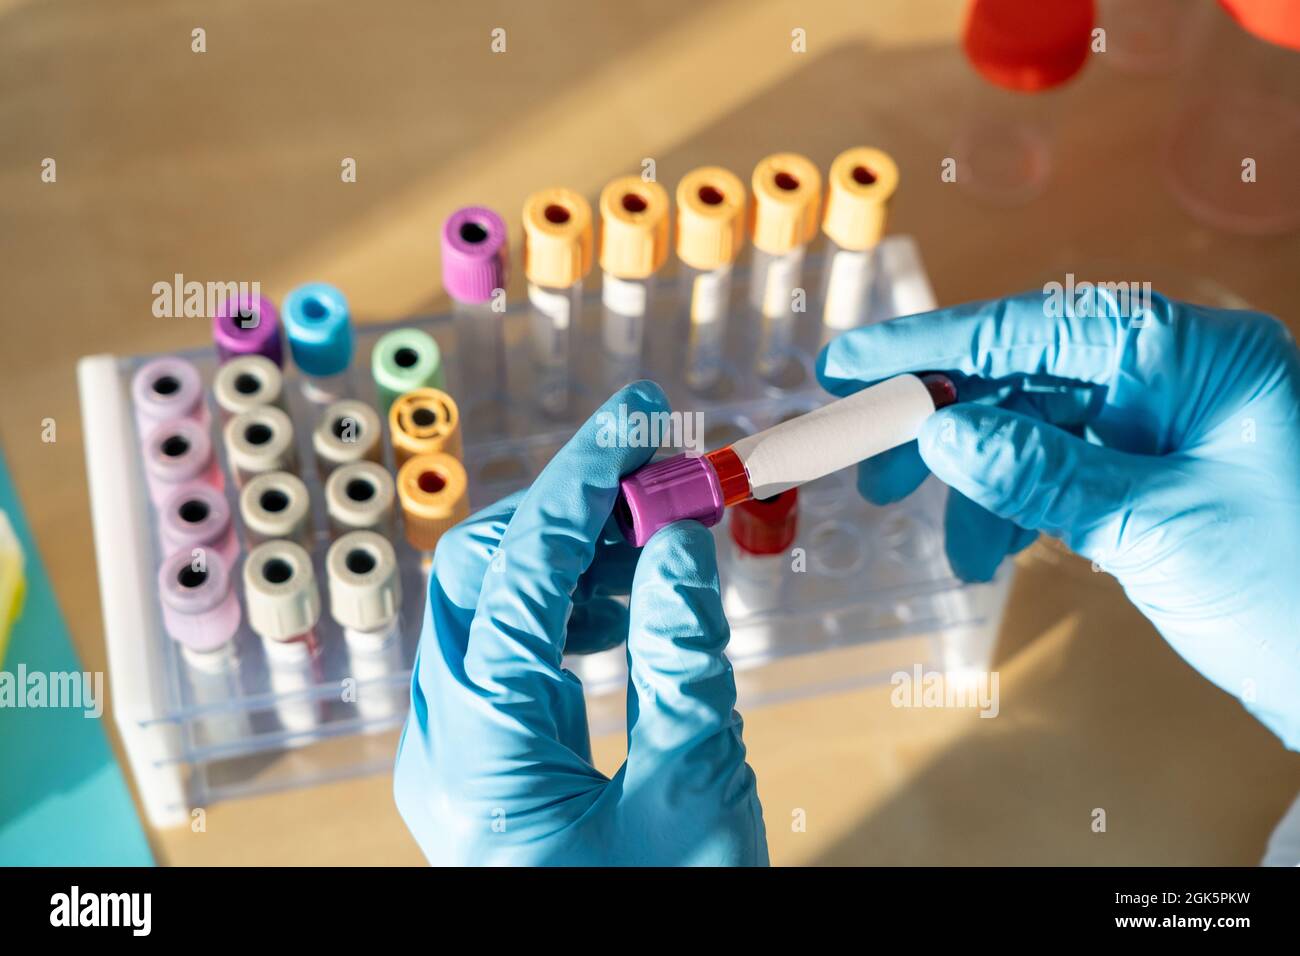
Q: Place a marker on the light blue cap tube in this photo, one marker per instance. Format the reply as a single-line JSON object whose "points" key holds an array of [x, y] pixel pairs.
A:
{"points": [[319, 329]]}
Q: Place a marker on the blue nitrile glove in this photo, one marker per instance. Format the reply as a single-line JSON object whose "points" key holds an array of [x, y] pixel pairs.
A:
{"points": [[1166, 448], [494, 765]]}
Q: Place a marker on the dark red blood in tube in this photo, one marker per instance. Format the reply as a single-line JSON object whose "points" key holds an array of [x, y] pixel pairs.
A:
{"points": [[766, 526], [1028, 45]]}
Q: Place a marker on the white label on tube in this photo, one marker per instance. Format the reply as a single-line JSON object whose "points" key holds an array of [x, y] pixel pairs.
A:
{"points": [[848, 289], [624, 296], [780, 282], [553, 305], [709, 295], [835, 436]]}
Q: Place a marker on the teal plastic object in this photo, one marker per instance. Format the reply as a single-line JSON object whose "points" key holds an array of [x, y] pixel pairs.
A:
{"points": [[494, 766], [63, 801], [1159, 439], [319, 328]]}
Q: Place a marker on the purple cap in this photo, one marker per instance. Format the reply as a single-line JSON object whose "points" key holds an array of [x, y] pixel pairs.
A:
{"points": [[176, 452], [167, 388], [675, 489], [248, 325], [473, 254], [197, 515], [199, 606]]}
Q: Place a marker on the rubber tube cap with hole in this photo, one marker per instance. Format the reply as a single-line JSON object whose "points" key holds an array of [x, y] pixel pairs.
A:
{"points": [[403, 360], [474, 251], [365, 583], [557, 238], [787, 196], [633, 228], [710, 218], [676, 489], [247, 325], [199, 606], [280, 588], [432, 489], [319, 327], [861, 183]]}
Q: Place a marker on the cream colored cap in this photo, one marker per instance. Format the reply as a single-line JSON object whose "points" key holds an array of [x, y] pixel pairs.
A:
{"points": [[710, 218], [280, 590], [365, 583], [633, 228], [432, 489], [861, 183], [557, 238], [787, 195], [275, 504]]}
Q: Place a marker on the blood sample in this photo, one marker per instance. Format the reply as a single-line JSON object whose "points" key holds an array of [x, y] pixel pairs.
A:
{"points": [[784, 456]]}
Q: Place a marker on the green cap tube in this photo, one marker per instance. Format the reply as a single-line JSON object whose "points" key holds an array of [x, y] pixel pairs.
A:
{"points": [[402, 360]]}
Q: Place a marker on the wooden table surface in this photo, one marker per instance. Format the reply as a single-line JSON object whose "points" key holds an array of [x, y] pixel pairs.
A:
{"points": [[225, 164]]}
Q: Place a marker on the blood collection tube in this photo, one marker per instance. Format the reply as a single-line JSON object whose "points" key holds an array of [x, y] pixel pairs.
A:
{"points": [[474, 260], [178, 452], [633, 247], [348, 431], [787, 194], [359, 497], [283, 610], [196, 515], [319, 326], [432, 489], [248, 325], [199, 608], [424, 421], [167, 389], [710, 235], [247, 382], [257, 441], [402, 360], [557, 257], [275, 504], [858, 190], [784, 456], [365, 591], [761, 533]]}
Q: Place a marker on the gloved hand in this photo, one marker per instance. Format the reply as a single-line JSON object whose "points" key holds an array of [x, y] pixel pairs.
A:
{"points": [[494, 765], [1165, 447]]}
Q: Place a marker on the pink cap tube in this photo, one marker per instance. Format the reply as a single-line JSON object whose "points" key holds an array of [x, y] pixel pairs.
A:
{"points": [[473, 254], [197, 515], [199, 606], [167, 388]]}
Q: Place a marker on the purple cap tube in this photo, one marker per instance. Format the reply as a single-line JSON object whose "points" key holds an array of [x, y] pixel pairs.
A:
{"points": [[176, 452], [473, 254], [248, 325], [165, 389], [196, 515], [199, 606], [675, 489]]}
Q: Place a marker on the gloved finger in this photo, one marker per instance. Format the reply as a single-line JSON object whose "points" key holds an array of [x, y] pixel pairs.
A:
{"points": [[892, 475], [682, 719], [975, 539], [1031, 473], [596, 625], [1021, 335], [517, 637]]}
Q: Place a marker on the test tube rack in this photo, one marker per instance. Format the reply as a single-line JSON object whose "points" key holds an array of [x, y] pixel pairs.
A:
{"points": [[865, 592]]}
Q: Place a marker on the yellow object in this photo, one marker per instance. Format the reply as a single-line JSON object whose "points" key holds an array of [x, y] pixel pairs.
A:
{"points": [[13, 583], [423, 421], [432, 489], [710, 218], [861, 183], [787, 195], [633, 228], [557, 238]]}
